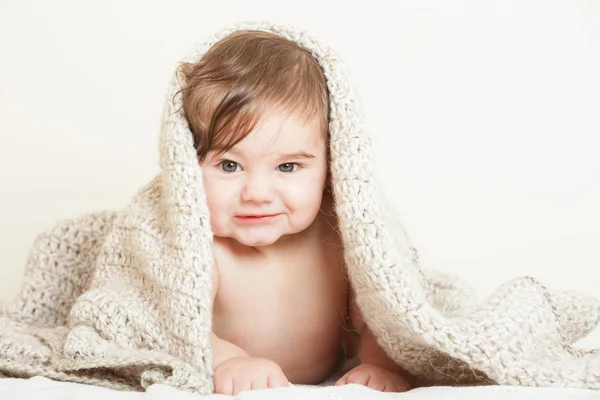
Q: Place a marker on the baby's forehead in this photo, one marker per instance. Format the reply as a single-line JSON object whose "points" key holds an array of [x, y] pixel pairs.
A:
{"points": [[282, 133], [303, 148], [276, 120]]}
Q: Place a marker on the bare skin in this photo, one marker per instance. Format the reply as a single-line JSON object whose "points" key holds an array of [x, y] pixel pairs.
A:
{"points": [[289, 307], [283, 317]]}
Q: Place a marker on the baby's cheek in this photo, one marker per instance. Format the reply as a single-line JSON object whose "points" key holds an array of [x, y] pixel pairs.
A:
{"points": [[218, 217], [305, 207]]}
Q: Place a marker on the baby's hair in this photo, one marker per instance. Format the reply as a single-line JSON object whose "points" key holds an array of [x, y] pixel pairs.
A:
{"points": [[241, 77]]}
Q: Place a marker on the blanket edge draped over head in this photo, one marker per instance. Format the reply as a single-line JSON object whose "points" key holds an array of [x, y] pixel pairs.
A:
{"points": [[122, 299]]}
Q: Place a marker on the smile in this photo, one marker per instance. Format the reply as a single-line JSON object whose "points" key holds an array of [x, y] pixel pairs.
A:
{"points": [[256, 219]]}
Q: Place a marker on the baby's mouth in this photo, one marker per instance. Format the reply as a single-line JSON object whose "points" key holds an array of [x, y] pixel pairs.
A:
{"points": [[256, 217]]}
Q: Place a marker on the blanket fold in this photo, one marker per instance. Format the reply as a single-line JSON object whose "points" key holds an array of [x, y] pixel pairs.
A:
{"points": [[122, 298]]}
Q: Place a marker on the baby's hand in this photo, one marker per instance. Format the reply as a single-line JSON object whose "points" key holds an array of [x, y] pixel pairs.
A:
{"points": [[376, 378], [246, 373]]}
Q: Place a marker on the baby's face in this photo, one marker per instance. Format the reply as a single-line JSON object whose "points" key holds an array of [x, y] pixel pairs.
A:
{"points": [[270, 184]]}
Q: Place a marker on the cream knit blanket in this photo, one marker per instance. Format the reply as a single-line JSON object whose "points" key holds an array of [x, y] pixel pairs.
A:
{"points": [[122, 299]]}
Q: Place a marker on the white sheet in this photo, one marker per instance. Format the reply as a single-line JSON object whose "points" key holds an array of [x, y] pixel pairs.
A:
{"points": [[42, 388]]}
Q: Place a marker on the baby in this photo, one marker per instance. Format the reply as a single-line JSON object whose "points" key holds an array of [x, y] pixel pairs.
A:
{"points": [[283, 311]]}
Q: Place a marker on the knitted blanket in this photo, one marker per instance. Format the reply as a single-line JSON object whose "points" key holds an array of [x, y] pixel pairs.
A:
{"points": [[122, 299]]}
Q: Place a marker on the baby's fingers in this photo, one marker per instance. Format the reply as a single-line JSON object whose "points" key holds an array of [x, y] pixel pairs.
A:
{"points": [[360, 377], [343, 380], [241, 384], [224, 385], [260, 383], [277, 380]]}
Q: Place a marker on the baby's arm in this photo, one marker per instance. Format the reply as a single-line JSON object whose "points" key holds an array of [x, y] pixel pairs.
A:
{"points": [[369, 352], [376, 370], [222, 349], [234, 369]]}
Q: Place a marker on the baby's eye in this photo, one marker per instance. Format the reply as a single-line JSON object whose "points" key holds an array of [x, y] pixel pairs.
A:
{"points": [[229, 166], [287, 167]]}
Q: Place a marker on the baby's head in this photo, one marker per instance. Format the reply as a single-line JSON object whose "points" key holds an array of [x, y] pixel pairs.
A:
{"points": [[257, 106]]}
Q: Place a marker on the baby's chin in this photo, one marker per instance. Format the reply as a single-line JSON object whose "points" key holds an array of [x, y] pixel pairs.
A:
{"points": [[256, 243], [252, 239], [260, 235], [257, 237]]}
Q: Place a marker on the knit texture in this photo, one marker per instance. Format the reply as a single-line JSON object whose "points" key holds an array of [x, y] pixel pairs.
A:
{"points": [[122, 299]]}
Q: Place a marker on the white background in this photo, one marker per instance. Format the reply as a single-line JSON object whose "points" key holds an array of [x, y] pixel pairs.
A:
{"points": [[484, 117]]}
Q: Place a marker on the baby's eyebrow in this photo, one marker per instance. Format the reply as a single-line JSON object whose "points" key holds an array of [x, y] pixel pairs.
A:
{"points": [[297, 154]]}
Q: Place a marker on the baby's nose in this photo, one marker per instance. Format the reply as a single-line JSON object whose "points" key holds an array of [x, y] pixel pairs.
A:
{"points": [[258, 190]]}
